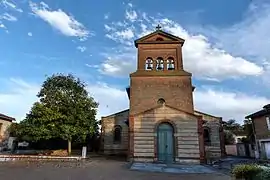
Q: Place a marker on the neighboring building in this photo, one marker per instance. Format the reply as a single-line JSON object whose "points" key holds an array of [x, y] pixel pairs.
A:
{"points": [[261, 126], [5, 122], [238, 138], [161, 124]]}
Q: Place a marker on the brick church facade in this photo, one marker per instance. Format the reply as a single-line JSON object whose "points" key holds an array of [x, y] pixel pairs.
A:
{"points": [[161, 124]]}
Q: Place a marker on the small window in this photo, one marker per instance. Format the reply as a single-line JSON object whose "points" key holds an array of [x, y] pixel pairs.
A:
{"points": [[268, 122], [117, 134], [161, 101]]}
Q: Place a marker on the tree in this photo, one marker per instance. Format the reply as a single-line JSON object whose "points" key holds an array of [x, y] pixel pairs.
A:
{"points": [[229, 137], [232, 126], [65, 110], [248, 129]]}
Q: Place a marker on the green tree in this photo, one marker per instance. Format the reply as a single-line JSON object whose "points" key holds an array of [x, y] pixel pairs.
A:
{"points": [[232, 126], [248, 129], [229, 138], [65, 110]]}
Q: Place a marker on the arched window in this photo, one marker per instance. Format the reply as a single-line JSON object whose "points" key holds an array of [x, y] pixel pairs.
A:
{"points": [[117, 134], [149, 64], [170, 63], [206, 136], [160, 64]]}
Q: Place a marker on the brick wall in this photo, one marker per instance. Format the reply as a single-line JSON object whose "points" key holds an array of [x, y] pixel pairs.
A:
{"points": [[261, 128], [108, 124], [213, 124], [3, 131], [186, 140], [175, 90]]}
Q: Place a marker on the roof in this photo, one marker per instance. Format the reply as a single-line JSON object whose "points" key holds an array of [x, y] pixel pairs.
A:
{"points": [[115, 114], [260, 113], [6, 118], [158, 106], [206, 114], [160, 32]]}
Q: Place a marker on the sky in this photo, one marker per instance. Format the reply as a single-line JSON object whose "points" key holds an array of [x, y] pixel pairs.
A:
{"points": [[226, 49]]}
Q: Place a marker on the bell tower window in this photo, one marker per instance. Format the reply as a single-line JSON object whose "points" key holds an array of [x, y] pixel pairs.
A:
{"points": [[170, 63], [149, 64], [160, 64]]}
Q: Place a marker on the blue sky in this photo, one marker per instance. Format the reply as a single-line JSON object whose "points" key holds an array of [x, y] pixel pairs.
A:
{"points": [[226, 49]]}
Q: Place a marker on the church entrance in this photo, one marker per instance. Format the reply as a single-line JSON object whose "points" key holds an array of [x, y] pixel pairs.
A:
{"points": [[165, 143]]}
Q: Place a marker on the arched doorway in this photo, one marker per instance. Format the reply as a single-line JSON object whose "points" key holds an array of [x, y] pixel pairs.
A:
{"points": [[165, 143]]}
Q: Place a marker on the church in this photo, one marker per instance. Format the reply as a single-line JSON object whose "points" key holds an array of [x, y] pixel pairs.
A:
{"points": [[161, 124]]}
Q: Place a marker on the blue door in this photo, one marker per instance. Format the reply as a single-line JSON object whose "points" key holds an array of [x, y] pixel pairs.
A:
{"points": [[165, 143]]}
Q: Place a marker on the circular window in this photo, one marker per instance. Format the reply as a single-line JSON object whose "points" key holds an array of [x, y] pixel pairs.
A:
{"points": [[161, 101]]}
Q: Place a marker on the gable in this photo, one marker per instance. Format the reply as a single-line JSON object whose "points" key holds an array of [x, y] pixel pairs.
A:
{"points": [[207, 117], [165, 109], [159, 37]]}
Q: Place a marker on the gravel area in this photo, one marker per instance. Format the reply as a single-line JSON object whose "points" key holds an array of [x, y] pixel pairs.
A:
{"points": [[89, 170]]}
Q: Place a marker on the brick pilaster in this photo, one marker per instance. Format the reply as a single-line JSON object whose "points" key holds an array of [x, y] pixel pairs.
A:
{"points": [[201, 139]]}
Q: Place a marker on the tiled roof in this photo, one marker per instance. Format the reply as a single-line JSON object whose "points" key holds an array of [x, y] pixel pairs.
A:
{"points": [[7, 118]]}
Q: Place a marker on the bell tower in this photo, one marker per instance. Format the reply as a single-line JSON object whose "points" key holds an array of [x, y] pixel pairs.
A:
{"points": [[160, 74]]}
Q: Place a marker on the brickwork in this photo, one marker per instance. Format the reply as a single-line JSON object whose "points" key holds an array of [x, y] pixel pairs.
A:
{"points": [[185, 134], [215, 149], [147, 86], [261, 129], [4, 124], [145, 92], [108, 125]]}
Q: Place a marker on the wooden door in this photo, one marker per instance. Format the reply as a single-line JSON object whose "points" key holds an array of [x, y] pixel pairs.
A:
{"points": [[165, 143]]}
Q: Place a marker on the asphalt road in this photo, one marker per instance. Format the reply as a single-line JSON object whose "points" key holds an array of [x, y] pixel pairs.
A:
{"points": [[89, 170]]}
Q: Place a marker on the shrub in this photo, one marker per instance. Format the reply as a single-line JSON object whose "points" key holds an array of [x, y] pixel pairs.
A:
{"points": [[246, 171], [60, 152], [263, 175]]}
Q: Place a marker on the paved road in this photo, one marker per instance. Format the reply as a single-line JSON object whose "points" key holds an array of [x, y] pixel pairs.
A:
{"points": [[90, 170]]}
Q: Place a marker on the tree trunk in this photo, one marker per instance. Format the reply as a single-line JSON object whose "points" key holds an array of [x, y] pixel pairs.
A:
{"points": [[69, 147]]}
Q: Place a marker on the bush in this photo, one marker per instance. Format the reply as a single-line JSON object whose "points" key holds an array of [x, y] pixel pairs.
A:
{"points": [[265, 174], [60, 152], [246, 171]]}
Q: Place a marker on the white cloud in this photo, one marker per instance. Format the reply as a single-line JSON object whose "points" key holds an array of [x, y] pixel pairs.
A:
{"points": [[110, 99], [2, 25], [226, 104], [201, 57], [61, 21], [30, 34], [21, 96], [10, 5], [131, 15], [8, 17], [122, 36], [19, 99], [81, 48], [248, 38], [229, 105], [106, 16], [119, 64], [92, 66]]}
